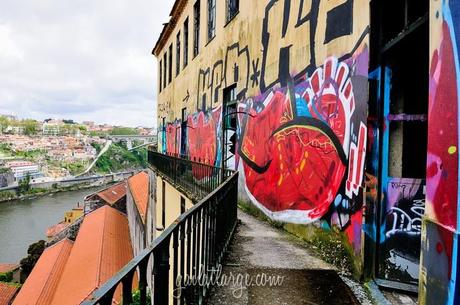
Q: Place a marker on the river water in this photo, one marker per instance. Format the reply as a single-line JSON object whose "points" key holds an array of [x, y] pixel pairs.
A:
{"points": [[25, 222]]}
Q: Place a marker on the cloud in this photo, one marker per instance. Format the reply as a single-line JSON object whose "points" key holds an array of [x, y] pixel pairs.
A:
{"points": [[82, 59]]}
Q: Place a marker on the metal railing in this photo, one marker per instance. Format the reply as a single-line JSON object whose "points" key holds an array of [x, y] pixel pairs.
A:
{"points": [[192, 177], [190, 248]]}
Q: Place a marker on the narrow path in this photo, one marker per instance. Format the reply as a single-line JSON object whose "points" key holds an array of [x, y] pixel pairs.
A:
{"points": [[103, 150], [260, 250]]}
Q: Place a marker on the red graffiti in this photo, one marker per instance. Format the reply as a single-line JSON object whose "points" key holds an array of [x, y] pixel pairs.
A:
{"points": [[442, 163], [202, 139], [442, 167], [298, 163], [172, 138]]}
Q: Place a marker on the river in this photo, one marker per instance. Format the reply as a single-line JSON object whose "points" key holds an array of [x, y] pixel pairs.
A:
{"points": [[25, 222]]}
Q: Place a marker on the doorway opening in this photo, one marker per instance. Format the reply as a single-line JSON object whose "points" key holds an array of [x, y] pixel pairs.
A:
{"points": [[399, 104]]}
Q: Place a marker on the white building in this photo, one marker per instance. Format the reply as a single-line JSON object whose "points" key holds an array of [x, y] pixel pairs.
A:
{"points": [[21, 169]]}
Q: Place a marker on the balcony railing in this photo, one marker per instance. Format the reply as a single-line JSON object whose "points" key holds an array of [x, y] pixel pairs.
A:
{"points": [[193, 178], [190, 248]]}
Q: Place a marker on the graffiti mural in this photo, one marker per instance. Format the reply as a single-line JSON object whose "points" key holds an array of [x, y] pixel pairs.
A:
{"points": [[405, 207], [297, 149], [173, 138], [301, 136]]}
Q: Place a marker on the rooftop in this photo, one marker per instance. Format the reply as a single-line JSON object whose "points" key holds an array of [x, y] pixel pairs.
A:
{"points": [[113, 194], [53, 230], [7, 293], [102, 248], [41, 284], [168, 28], [5, 268], [139, 188]]}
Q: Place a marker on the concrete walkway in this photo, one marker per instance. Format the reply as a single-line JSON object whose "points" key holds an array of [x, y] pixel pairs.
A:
{"points": [[260, 250]]}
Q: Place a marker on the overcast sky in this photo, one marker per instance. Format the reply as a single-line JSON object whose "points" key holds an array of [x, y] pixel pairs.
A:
{"points": [[80, 59]]}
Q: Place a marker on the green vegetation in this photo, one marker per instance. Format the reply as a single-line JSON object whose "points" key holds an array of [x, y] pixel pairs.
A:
{"points": [[24, 185], [123, 131], [76, 167], [6, 277], [137, 297], [31, 127], [4, 170], [28, 263], [119, 158], [7, 195]]}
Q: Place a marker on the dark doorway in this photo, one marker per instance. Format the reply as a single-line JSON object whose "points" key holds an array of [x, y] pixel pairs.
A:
{"points": [[229, 127], [183, 133], [399, 104]]}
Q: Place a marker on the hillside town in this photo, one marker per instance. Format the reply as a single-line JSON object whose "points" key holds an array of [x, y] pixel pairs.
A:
{"points": [[53, 149]]}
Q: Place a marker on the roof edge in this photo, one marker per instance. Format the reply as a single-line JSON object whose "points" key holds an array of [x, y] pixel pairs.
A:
{"points": [[174, 15]]}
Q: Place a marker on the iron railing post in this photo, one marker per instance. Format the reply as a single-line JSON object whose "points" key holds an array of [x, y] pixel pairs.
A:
{"points": [[161, 274]]}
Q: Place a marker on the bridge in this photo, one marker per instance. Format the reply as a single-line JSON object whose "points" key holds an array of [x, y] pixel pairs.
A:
{"points": [[129, 139]]}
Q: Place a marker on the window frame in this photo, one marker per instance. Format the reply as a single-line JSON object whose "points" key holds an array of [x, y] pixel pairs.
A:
{"points": [[212, 22], [161, 74], [229, 14], [170, 66], [178, 52], [165, 69], [196, 27], [186, 42]]}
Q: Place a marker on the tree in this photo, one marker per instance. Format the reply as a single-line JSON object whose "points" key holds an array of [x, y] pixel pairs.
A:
{"points": [[24, 184], [30, 127], [4, 122], [124, 131], [34, 252]]}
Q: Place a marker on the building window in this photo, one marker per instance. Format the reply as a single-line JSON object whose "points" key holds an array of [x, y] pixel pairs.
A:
{"points": [[170, 64], [196, 28], [230, 100], [165, 68], [178, 54], [161, 75], [233, 7], [186, 43], [211, 19]]}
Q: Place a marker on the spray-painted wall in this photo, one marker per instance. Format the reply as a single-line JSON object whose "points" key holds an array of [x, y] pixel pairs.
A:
{"points": [[440, 282], [301, 74]]}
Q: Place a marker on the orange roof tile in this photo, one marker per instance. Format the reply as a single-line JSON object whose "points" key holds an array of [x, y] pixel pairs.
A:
{"points": [[52, 231], [113, 194], [5, 268], [44, 278], [102, 248], [139, 188], [7, 293]]}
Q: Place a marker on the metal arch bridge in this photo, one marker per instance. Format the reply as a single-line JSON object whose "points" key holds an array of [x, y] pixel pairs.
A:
{"points": [[146, 140]]}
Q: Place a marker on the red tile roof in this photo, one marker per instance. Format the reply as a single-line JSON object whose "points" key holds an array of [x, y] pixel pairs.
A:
{"points": [[52, 231], [41, 284], [113, 194], [139, 188], [7, 293], [5, 268], [102, 248]]}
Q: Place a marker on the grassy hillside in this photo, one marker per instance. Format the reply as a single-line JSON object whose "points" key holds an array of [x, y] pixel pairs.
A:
{"points": [[118, 159]]}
